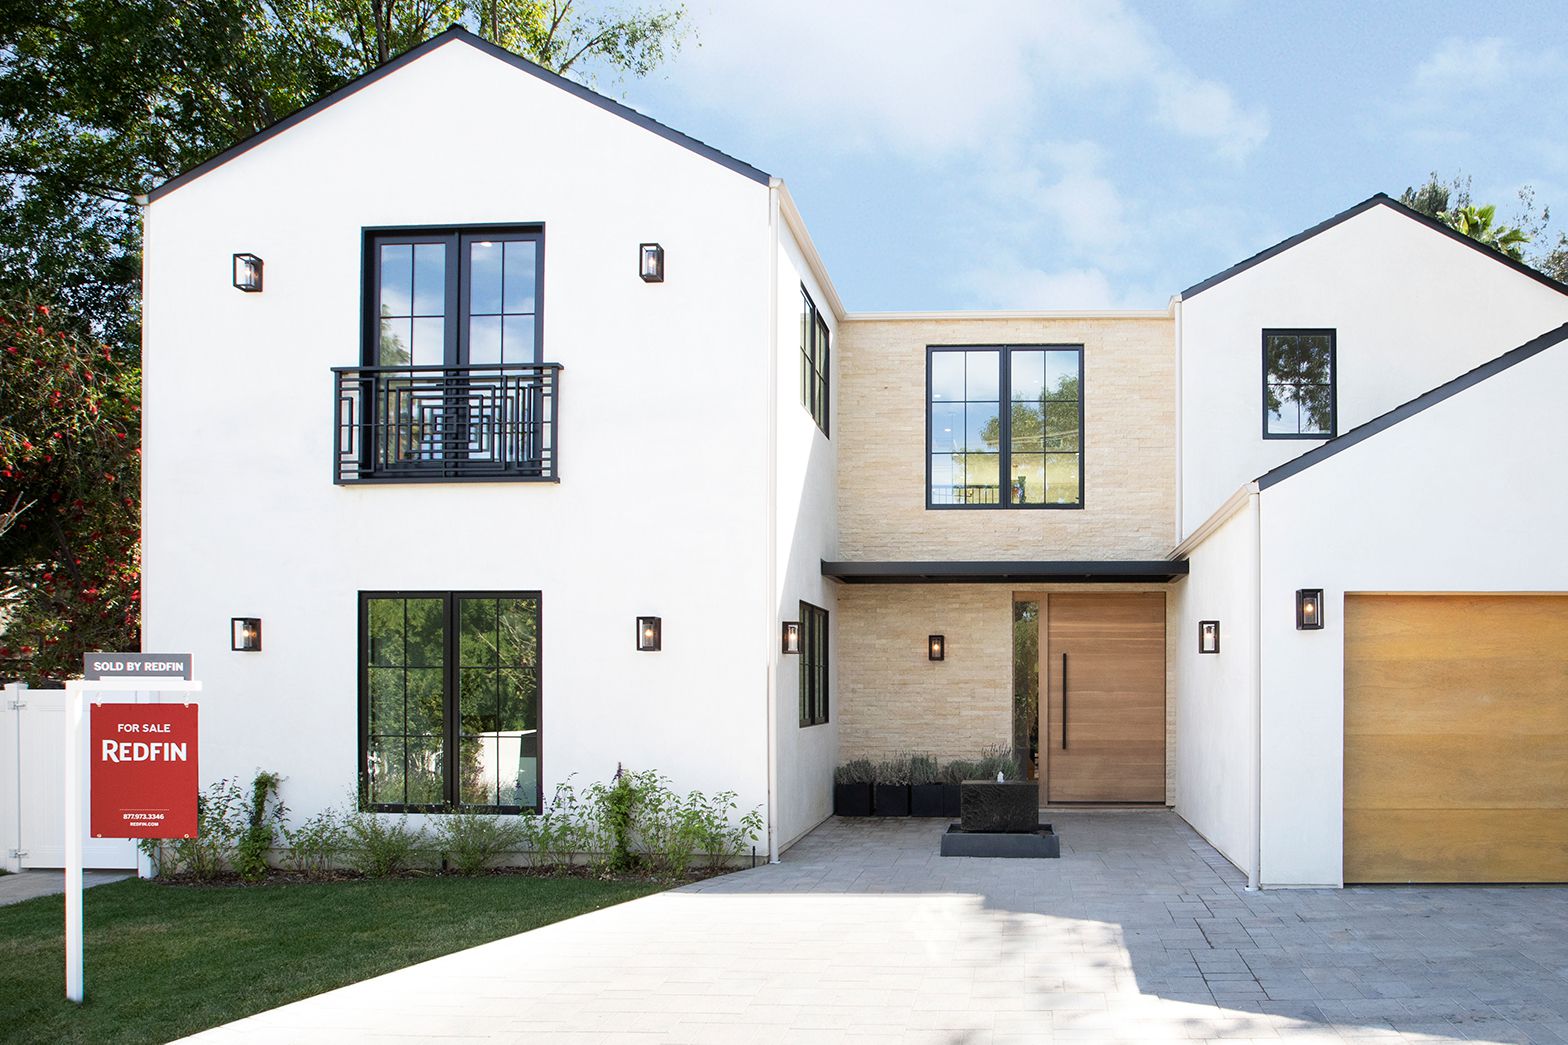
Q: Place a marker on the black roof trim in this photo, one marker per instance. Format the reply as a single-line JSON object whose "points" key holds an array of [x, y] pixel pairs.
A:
{"points": [[1123, 571], [458, 33], [1513, 357], [1380, 200]]}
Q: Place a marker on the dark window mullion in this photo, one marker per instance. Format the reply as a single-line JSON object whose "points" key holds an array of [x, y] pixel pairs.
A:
{"points": [[1004, 460], [449, 698]]}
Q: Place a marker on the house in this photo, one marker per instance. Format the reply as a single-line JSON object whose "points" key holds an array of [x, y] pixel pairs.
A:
{"points": [[606, 448]]}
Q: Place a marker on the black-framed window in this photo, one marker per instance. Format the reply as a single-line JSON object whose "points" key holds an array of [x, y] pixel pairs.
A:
{"points": [[813, 665], [814, 361], [1298, 384], [453, 297], [449, 701], [1029, 455]]}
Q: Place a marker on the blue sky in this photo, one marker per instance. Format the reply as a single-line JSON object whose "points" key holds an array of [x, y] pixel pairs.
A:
{"points": [[1066, 155]]}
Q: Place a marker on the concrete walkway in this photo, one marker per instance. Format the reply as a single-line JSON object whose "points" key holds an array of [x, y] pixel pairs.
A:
{"points": [[14, 888], [1140, 932]]}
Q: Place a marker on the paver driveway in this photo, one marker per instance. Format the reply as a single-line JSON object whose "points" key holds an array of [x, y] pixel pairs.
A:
{"points": [[1140, 932]]}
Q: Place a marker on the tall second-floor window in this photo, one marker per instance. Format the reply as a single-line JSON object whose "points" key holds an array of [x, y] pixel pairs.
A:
{"points": [[453, 298], [814, 361], [1028, 455], [1298, 384]]}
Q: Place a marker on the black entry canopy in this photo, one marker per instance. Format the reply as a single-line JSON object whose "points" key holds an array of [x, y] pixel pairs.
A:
{"points": [[1124, 571]]}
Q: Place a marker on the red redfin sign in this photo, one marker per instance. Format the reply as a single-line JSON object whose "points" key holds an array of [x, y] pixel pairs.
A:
{"points": [[142, 770]]}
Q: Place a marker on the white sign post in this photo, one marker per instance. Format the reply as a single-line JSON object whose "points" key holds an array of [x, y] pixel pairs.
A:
{"points": [[101, 677]]}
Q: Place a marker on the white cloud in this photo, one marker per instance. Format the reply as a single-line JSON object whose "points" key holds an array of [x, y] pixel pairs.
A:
{"points": [[1010, 283], [1460, 64], [930, 80]]}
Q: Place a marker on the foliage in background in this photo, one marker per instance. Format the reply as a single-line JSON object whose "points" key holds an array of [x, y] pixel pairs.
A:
{"points": [[855, 771], [1026, 678], [70, 479], [1451, 203], [923, 769]]}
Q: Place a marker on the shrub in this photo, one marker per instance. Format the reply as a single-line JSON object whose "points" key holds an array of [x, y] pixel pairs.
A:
{"points": [[999, 758], [961, 769], [221, 822], [380, 847], [473, 841], [265, 811], [894, 770], [922, 769], [559, 831], [719, 836], [631, 801], [855, 771], [317, 845]]}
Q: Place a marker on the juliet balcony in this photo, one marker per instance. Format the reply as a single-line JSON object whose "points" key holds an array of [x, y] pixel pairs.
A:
{"points": [[493, 422]]}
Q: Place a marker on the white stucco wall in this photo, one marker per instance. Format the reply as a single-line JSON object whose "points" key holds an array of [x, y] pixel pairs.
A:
{"points": [[807, 528], [661, 497], [1466, 496], [1412, 308], [1214, 692]]}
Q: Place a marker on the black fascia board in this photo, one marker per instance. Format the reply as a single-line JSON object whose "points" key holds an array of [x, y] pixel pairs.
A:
{"points": [[1379, 200], [1124, 571], [1365, 431], [454, 34]]}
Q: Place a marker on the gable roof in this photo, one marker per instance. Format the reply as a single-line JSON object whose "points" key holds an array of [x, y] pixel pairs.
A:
{"points": [[1380, 200], [457, 34], [1362, 432]]}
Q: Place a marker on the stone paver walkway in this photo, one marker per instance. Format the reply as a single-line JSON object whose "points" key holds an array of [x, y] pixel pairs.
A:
{"points": [[1140, 932], [14, 888]]}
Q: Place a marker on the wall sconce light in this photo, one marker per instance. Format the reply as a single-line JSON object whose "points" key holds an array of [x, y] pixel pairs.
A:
{"points": [[245, 634], [650, 262], [791, 642], [936, 647], [1208, 636], [649, 634], [247, 273], [1309, 609]]}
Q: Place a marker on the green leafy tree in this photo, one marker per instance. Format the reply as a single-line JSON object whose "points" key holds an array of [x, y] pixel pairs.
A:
{"points": [[1450, 202], [70, 469]]}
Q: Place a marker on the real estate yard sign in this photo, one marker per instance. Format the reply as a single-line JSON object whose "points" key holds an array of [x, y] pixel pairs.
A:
{"points": [[142, 770]]}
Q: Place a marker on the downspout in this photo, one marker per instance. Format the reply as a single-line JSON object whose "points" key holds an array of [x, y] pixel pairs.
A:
{"points": [[1181, 529], [1255, 684], [771, 503]]}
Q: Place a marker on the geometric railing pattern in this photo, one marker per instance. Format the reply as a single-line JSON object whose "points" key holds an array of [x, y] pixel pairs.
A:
{"points": [[411, 424]]}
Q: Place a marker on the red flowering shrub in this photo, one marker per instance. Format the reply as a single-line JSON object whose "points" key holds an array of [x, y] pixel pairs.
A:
{"points": [[70, 482]]}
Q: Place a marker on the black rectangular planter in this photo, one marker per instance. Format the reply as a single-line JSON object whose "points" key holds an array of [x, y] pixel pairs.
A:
{"points": [[1040, 844], [892, 799], [851, 799], [928, 800], [952, 803]]}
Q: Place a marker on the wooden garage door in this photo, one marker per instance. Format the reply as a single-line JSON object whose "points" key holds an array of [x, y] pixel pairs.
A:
{"points": [[1456, 738]]}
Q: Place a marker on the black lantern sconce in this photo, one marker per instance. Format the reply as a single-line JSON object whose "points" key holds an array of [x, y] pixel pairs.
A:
{"points": [[247, 273], [650, 634], [1309, 609], [936, 647], [1208, 636], [791, 640], [245, 634], [650, 262]]}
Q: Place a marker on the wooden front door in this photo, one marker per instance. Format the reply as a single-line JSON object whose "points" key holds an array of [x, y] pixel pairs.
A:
{"points": [[1104, 672]]}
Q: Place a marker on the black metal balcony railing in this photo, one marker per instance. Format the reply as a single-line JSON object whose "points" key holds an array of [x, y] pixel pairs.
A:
{"points": [[409, 424]]}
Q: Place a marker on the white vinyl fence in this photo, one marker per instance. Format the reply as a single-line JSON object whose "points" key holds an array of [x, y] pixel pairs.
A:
{"points": [[32, 784]]}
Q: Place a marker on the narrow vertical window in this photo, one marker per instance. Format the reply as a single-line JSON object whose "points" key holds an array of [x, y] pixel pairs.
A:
{"points": [[813, 665], [1298, 384], [815, 362]]}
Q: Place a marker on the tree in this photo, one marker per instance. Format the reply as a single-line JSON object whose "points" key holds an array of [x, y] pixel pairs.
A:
{"points": [[70, 469], [102, 99], [1451, 203]]}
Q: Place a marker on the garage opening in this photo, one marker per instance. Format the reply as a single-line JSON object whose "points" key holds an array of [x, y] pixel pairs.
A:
{"points": [[1456, 738]]}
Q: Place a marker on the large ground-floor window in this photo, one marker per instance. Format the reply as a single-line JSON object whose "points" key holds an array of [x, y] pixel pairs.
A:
{"points": [[449, 701]]}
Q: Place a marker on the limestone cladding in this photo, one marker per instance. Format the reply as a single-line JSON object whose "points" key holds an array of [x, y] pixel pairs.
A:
{"points": [[1129, 437], [893, 699]]}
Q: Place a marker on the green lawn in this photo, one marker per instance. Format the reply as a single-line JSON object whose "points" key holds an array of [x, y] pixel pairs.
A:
{"points": [[164, 961]]}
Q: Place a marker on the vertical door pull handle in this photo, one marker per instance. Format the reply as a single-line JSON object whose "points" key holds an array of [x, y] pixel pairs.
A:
{"points": [[1064, 702]]}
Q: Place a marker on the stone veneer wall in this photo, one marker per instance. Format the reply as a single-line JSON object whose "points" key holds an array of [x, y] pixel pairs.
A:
{"points": [[1129, 437], [892, 699]]}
